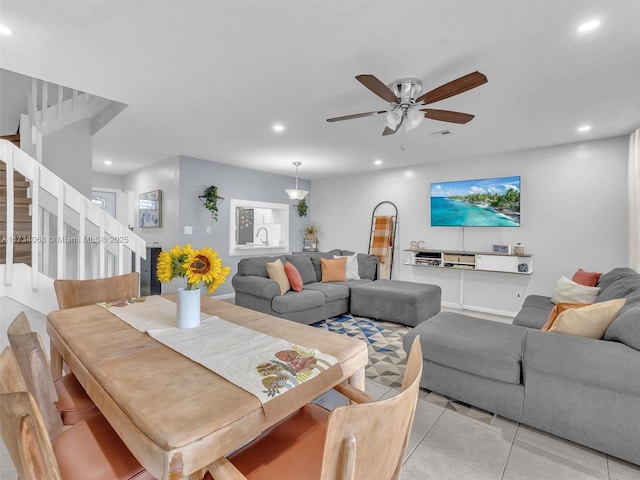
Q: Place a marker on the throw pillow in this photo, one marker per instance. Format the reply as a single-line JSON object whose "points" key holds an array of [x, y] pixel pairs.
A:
{"points": [[276, 272], [352, 266], [569, 291], [334, 270], [558, 309], [293, 275], [588, 279], [590, 321]]}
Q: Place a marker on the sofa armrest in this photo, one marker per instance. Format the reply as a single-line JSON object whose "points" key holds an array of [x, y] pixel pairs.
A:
{"points": [[256, 286], [593, 362]]}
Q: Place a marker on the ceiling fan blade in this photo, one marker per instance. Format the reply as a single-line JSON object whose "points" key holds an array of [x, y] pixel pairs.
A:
{"points": [[377, 87], [447, 115], [356, 115], [454, 87]]}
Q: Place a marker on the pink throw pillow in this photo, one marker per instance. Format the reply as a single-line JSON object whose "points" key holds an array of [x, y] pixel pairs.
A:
{"points": [[588, 279], [294, 277]]}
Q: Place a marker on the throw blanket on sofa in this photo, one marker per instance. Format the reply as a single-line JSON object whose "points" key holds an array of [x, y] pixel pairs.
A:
{"points": [[382, 243]]}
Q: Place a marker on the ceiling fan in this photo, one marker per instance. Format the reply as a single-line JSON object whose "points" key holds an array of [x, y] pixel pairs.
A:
{"points": [[406, 105]]}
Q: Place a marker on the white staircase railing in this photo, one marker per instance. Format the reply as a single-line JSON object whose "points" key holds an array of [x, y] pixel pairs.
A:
{"points": [[71, 237], [51, 107]]}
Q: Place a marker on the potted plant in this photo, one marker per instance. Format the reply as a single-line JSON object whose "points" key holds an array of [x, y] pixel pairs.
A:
{"points": [[210, 200], [302, 207], [311, 232]]}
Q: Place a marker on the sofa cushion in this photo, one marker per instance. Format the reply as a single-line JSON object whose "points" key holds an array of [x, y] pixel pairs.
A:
{"points": [[256, 265], [626, 327], [620, 288], [591, 321], [292, 301], [569, 291], [317, 265], [367, 265], [305, 267], [332, 291], [482, 347], [611, 365], [276, 272], [614, 275], [534, 312]]}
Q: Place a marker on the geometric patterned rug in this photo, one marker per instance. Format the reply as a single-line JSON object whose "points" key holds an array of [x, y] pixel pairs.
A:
{"points": [[387, 359]]}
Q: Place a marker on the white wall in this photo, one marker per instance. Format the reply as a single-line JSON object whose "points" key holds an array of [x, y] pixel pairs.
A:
{"points": [[68, 152], [14, 92], [573, 206]]}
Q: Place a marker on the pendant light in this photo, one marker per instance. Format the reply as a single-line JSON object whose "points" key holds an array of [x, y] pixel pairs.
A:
{"points": [[295, 194]]}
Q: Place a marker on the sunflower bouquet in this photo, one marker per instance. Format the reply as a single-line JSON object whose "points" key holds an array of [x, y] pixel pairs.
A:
{"points": [[197, 266]]}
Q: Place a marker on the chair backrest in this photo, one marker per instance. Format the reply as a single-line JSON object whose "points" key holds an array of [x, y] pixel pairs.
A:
{"points": [[34, 367], [76, 293], [369, 440], [22, 427]]}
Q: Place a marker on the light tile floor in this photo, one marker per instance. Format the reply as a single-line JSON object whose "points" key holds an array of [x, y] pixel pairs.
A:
{"points": [[445, 444]]}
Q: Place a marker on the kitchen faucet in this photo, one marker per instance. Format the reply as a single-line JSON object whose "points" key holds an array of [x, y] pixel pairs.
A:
{"points": [[266, 241]]}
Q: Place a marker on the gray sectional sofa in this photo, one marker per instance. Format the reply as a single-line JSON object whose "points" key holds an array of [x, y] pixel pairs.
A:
{"points": [[581, 389], [317, 301]]}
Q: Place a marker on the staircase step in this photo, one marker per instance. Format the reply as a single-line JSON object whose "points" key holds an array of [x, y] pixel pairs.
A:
{"points": [[15, 139], [16, 200]]}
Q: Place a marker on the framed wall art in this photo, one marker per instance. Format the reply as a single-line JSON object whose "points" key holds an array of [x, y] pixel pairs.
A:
{"points": [[150, 209]]}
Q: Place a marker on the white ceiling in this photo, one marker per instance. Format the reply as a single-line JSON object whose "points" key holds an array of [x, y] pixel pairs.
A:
{"points": [[208, 79]]}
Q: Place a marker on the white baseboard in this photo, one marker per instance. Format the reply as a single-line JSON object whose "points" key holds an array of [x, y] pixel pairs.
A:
{"points": [[474, 308]]}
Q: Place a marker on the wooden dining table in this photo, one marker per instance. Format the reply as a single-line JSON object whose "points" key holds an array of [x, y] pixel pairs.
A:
{"points": [[175, 415]]}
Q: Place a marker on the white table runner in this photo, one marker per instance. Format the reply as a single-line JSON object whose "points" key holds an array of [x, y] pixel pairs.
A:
{"points": [[263, 365], [145, 313]]}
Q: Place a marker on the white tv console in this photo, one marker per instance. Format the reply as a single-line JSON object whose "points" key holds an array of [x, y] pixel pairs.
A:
{"points": [[465, 260]]}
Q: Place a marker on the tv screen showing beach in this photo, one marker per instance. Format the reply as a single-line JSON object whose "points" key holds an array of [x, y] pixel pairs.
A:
{"points": [[486, 202]]}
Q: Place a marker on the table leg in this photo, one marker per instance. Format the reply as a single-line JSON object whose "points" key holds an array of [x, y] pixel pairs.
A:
{"points": [[56, 362], [357, 379]]}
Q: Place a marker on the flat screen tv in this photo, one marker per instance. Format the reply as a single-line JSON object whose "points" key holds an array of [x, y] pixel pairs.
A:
{"points": [[486, 202]]}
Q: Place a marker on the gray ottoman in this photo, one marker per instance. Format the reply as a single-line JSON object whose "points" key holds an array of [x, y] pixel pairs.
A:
{"points": [[396, 301]]}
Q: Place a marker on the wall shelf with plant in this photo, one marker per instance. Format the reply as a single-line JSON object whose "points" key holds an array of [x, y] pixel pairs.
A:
{"points": [[211, 200]]}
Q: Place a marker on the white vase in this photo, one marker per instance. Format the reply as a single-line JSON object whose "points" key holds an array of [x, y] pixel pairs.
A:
{"points": [[188, 308]]}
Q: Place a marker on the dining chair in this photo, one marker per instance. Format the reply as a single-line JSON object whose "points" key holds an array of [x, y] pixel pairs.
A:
{"points": [[61, 402], [361, 441], [77, 293], [88, 450]]}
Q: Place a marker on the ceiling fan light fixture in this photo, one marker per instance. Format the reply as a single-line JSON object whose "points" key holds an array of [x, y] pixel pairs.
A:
{"points": [[295, 193], [414, 118], [394, 117]]}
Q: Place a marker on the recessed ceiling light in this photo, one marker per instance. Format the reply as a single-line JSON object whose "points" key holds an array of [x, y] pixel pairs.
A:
{"points": [[107, 162], [588, 26], [278, 127], [5, 30], [377, 162], [584, 128]]}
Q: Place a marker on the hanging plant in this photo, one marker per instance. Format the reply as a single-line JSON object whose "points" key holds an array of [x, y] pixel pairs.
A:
{"points": [[210, 200], [302, 207]]}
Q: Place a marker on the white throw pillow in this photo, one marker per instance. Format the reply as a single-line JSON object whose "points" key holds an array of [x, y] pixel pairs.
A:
{"points": [[352, 266], [569, 291]]}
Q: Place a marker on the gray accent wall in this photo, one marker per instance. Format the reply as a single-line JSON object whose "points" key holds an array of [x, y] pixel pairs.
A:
{"points": [[574, 215], [182, 179]]}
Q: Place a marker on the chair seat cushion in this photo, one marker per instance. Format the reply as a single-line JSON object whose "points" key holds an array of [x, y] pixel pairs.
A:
{"points": [[73, 402], [92, 450], [292, 449]]}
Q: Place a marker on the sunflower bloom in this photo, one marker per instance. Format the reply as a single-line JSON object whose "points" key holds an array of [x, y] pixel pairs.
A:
{"points": [[198, 266]]}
